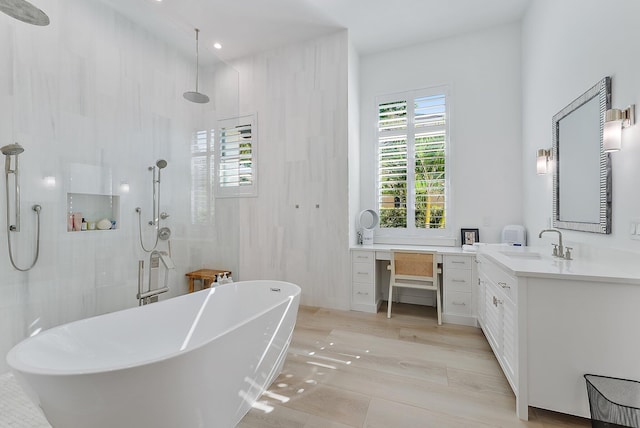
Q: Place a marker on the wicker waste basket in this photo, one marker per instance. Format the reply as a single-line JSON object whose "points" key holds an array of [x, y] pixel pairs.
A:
{"points": [[613, 402]]}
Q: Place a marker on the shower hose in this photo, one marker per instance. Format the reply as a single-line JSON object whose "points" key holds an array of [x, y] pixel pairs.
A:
{"points": [[37, 209]]}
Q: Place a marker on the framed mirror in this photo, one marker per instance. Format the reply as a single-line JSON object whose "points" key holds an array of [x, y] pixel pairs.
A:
{"points": [[582, 169]]}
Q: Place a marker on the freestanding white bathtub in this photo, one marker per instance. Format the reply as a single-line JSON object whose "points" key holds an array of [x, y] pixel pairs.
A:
{"points": [[198, 360]]}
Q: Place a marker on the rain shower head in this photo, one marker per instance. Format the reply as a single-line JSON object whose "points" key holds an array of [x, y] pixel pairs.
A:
{"points": [[24, 11], [195, 96], [161, 163], [12, 149]]}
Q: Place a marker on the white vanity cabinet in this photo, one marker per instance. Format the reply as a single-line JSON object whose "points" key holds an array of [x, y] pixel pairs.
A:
{"points": [[363, 281], [497, 315], [458, 277]]}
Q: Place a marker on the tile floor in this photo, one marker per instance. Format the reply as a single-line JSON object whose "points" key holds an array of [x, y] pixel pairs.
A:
{"points": [[16, 410]]}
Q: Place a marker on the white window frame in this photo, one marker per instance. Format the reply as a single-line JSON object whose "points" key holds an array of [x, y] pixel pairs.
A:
{"points": [[413, 234], [249, 190], [209, 157]]}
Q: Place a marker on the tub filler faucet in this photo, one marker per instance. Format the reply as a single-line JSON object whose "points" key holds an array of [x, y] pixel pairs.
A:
{"points": [[154, 262], [558, 249]]}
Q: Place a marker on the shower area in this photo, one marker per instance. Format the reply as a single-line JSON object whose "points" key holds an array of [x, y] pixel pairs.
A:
{"points": [[96, 122]]}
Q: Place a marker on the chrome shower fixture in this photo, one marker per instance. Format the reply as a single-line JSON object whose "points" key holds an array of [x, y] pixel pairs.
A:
{"points": [[160, 164], [12, 151], [155, 221], [24, 11], [196, 97]]}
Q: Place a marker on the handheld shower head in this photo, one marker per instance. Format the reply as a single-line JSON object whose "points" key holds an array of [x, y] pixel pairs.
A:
{"points": [[12, 149], [161, 163]]}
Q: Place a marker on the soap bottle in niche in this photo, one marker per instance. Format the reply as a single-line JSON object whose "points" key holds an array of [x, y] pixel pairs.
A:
{"points": [[84, 224], [77, 221]]}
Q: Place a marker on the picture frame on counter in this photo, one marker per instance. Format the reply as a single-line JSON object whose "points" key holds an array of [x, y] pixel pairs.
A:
{"points": [[469, 236]]}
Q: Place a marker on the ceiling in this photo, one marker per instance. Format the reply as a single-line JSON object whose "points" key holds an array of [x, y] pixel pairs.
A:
{"points": [[245, 27]]}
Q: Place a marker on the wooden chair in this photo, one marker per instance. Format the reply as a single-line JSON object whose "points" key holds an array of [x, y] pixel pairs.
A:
{"points": [[414, 269]]}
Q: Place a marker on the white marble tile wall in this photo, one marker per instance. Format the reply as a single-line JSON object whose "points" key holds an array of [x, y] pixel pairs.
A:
{"points": [[300, 95], [96, 89]]}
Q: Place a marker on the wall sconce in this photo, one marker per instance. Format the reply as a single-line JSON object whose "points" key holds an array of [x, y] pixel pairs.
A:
{"points": [[542, 161], [614, 121]]}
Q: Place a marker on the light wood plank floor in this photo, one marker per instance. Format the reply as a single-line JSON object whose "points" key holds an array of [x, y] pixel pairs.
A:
{"points": [[352, 369]]}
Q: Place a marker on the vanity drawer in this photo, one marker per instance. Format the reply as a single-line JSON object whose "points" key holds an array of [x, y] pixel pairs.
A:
{"points": [[457, 262], [362, 294], [504, 281], [457, 280], [458, 303], [363, 257], [363, 273]]}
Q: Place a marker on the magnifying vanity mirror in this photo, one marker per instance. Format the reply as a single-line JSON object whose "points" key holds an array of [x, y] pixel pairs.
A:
{"points": [[582, 169], [366, 222]]}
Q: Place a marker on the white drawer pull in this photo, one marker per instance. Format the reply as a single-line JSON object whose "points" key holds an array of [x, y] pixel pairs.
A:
{"points": [[458, 262], [363, 257], [503, 285], [363, 273], [361, 292], [458, 280], [459, 304]]}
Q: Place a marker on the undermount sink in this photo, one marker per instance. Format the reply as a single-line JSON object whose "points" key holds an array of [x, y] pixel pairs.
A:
{"points": [[521, 254]]}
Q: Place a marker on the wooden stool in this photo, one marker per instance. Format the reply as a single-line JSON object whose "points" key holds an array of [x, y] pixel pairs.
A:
{"points": [[207, 276]]}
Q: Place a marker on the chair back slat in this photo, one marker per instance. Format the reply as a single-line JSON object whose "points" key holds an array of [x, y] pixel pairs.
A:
{"points": [[413, 264]]}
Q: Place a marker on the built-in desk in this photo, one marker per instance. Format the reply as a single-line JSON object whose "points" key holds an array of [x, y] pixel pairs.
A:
{"points": [[370, 280]]}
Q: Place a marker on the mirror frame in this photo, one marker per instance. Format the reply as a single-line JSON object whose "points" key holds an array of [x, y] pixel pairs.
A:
{"points": [[602, 90]]}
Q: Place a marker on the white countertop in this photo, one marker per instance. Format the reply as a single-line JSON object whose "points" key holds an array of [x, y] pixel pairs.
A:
{"points": [[538, 262], [436, 248]]}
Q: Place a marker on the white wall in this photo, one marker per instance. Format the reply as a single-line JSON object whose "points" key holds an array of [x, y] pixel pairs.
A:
{"points": [[300, 95], [567, 48], [95, 89], [354, 141], [482, 71]]}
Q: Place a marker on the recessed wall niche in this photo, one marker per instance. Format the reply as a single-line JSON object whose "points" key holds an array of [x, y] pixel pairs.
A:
{"points": [[90, 197]]}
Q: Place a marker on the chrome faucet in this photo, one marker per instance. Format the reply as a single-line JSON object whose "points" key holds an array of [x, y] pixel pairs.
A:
{"points": [[558, 250]]}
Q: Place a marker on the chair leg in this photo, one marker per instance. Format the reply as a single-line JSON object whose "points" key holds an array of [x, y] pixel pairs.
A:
{"points": [[390, 299], [438, 306]]}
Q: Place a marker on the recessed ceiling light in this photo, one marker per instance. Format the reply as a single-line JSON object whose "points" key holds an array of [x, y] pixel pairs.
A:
{"points": [[217, 45]]}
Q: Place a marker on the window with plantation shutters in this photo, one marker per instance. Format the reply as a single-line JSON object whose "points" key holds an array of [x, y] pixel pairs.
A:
{"points": [[202, 163], [236, 157], [412, 161]]}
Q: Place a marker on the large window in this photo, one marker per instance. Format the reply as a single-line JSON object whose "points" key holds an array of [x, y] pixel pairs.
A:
{"points": [[237, 157], [223, 164], [412, 161], [202, 164]]}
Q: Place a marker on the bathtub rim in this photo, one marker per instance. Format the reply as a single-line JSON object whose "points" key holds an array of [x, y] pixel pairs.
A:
{"points": [[19, 366]]}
